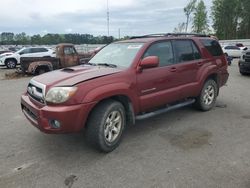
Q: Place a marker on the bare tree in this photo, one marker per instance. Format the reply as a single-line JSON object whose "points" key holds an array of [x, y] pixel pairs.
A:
{"points": [[180, 28], [188, 10]]}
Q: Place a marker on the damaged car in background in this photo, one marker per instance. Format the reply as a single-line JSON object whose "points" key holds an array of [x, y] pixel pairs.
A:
{"points": [[65, 56]]}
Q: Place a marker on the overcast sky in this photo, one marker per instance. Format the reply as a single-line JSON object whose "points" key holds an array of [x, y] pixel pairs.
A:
{"points": [[133, 17]]}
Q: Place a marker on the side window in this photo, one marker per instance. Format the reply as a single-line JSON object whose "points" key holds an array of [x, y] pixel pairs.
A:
{"points": [[69, 50], [37, 50], [212, 46], [25, 51], [163, 50], [184, 50], [33, 50], [196, 52]]}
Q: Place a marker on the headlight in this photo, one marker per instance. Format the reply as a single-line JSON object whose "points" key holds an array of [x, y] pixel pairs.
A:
{"points": [[60, 94]]}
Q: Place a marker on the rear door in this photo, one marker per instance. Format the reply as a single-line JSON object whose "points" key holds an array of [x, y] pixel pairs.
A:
{"points": [[188, 62], [158, 86]]}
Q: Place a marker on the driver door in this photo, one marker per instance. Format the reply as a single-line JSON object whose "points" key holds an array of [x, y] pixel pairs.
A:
{"points": [[158, 86]]}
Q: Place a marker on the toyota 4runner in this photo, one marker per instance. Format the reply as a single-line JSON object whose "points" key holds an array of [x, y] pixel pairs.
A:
{"points": [[127, 80]]}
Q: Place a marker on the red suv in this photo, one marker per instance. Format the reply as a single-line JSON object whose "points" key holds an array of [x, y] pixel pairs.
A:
{"points": [[125, 81]]}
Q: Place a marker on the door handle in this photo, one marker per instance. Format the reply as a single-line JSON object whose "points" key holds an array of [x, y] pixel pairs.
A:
{"points": [[199, 63], [173, 69]]}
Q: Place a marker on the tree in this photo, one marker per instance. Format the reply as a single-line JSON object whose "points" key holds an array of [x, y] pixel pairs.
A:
{"points": [[200, 21], [188, 10], [244, 21], [7, 38], [180, 28], [22, 38], [226, 17]]}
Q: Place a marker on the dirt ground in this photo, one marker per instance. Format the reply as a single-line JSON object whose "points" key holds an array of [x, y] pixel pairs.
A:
{"points": [[184, 148]]}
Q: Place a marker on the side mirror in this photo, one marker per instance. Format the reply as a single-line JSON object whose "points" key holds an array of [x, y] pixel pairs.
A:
{"points": [[149, 62]]}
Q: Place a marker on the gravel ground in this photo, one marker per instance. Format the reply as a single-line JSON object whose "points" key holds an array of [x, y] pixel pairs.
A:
{"points": [[184, 148]]}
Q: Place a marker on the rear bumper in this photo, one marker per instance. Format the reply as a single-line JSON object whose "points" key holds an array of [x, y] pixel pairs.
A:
{"points": [[72, 118]]}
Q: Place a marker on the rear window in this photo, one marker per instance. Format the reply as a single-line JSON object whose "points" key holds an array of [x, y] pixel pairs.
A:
{"points": [[212, 46]]}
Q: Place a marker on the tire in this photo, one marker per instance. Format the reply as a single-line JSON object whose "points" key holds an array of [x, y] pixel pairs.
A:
{"points": [[11, 63], [41, 71], [105, 126], [207, 98], [243, 73]]}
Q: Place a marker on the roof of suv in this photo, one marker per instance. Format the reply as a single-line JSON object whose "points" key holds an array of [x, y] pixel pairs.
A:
{"points": [[156, 37]]}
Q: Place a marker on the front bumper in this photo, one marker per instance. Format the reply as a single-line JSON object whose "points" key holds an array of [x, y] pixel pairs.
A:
{"points": [[244, 66], [72, 118]]}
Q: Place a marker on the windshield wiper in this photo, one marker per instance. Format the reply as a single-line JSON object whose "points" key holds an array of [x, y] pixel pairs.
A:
{"points": [[107, 65]]}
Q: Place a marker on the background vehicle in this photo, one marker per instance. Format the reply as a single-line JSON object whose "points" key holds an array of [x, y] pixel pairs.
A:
{"points": [[5, 51], [3, 56], [127, 81], [241, 46], [14, 59], [244, 63], [66, 56], [232, 51]]}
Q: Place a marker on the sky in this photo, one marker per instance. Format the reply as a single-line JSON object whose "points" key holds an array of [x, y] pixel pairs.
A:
{"points": [[131, 17]]}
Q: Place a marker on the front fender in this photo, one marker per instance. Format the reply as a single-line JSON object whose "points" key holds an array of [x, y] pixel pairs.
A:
{"points": [[111, 90]]}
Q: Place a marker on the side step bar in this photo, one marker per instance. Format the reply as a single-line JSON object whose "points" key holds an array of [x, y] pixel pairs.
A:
{"points": [[168, 108]]}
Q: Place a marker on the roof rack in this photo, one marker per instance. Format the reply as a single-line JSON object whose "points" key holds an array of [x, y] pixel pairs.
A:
{"points": [[170, 35]]}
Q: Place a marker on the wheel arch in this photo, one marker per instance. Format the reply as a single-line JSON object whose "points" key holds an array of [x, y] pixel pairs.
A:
{"points": [[11, 58], [35, 66], [125, 101]]}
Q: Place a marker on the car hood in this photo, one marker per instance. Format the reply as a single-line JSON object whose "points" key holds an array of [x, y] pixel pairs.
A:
{"points": [[74, 75]]}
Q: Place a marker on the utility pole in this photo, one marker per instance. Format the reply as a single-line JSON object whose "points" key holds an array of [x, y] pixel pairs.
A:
{"points": [[108, 16], [119, 33]]}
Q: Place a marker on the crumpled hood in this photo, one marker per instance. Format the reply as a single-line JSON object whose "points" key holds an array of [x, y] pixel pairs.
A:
{"points": [[73, 75]]}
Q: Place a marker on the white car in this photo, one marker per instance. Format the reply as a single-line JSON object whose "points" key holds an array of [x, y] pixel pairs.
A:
{"points": [[12, 59], [232, 51]]}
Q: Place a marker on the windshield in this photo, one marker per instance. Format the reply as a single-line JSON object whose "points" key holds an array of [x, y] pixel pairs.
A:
{"points": [[119, 54], [17, 52]]}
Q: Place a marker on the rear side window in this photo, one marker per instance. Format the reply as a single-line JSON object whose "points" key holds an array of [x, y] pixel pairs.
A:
{"points": [[163, 50], [212, 46], [186, 50], [43, 50]]}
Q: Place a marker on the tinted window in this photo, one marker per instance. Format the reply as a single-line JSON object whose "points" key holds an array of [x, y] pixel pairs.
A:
{"points": [[232, 48], [163, 50], [212, 46], [185, 50], [196, 52], [25, 51], [42, 49]]}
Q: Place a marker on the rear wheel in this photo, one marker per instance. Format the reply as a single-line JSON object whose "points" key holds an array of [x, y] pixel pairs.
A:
{"points": [[11, 63], [207, 98], [41, 71], [106, 125]]}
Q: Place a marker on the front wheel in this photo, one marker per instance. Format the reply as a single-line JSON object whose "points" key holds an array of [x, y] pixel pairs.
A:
{"points": [[11, 64], [207, 98], [105, 125]]}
